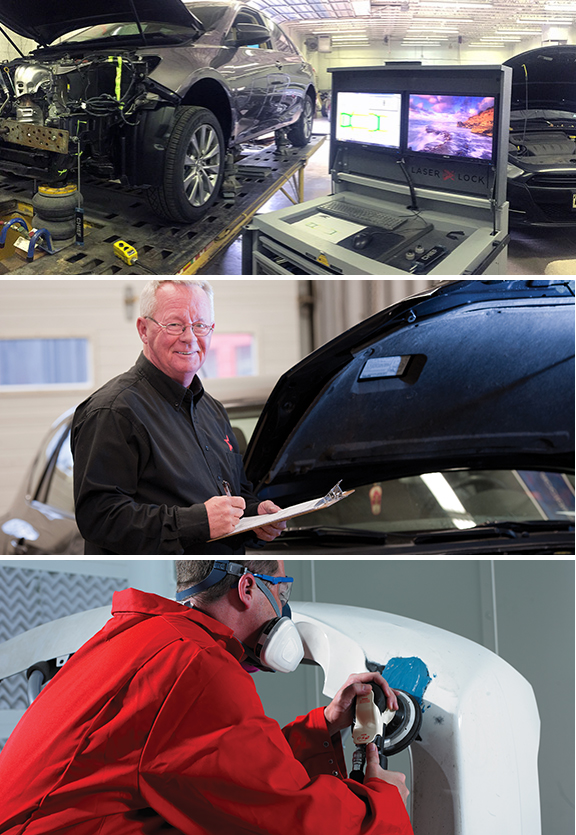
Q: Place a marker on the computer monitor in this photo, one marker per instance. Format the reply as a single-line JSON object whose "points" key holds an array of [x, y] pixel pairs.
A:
{"points": [[369, 119], [461, 127]]}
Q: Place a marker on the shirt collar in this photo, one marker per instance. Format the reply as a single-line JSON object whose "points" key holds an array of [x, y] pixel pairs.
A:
{"points": [[134, 601], [169, 389]]}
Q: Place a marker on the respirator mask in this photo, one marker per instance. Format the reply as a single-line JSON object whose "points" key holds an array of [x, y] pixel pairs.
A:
{"points": [[278, 647]]}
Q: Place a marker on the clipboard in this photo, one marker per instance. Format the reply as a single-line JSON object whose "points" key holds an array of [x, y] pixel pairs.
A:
{"points": [[249, 523]]}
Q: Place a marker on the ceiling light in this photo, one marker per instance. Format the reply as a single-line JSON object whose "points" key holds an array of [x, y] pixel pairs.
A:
{"points": [[519, 31], [435, 19], [435, 28], [361, 7], [448, 500], [446, 4], [535, 19]]}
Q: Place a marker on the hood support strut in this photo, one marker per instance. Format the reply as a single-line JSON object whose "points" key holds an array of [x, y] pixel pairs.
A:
{"points": [[138, 23]]}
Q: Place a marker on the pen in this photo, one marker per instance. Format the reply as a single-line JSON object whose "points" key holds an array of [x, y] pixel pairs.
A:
{"points": [[227, 489]]}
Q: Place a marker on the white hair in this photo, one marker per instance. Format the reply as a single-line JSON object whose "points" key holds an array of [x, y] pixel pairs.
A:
{"points": [[148, 295]]}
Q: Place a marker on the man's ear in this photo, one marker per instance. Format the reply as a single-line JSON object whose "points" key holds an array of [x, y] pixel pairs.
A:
{"points": [[247, 589], [142, 326]]}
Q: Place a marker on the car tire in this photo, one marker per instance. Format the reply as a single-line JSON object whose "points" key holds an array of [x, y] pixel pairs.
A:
{"points": [[300, 132], [193, 167]]}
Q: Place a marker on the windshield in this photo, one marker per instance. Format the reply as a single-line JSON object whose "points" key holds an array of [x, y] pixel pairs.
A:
{"points": [[152, 31], [450, 500], [208, 14]]}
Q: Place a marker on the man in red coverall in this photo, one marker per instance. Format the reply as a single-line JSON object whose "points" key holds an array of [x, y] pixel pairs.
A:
{"points": [[154, 725]]}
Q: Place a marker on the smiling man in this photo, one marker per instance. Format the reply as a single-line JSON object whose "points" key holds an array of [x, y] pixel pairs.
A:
{"points": [[155, 457]]}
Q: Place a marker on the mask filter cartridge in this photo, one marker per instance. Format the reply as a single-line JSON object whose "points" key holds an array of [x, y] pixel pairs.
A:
{"points": [[279, 646]]}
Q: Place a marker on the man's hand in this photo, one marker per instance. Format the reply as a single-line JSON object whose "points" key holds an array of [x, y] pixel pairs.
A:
{"points": [[224, 513], [374, 772], [269, 532], [339, 712]]}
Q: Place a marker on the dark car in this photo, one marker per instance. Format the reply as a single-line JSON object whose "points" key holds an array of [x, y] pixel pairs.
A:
{"points": [[450, 415], [153, 93], [542, 158]]}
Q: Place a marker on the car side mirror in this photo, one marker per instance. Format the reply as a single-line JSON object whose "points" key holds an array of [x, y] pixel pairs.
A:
{"points": [[246, 34]]}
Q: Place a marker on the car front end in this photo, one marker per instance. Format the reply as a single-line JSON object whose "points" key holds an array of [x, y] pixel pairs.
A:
{"points": [[542, 149], [449, 415]]}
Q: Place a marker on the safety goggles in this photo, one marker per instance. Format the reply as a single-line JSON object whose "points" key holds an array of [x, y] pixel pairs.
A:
{"points": [[283, 584]]}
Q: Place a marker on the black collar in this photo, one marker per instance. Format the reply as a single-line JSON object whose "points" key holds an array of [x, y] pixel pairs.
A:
{"points": [[171, 390]]}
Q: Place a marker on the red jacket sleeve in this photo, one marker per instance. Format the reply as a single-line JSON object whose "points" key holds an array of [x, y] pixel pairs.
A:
{"points": [[313, 746], [216, 764]]}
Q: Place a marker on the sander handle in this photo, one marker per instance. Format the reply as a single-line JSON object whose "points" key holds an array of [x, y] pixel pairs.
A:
{"points": [[368, 727]]}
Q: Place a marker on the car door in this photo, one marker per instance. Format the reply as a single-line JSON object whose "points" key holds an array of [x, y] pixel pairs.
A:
{"points": [[42, 522], [247, 70], [277, 97], [292, 76]]}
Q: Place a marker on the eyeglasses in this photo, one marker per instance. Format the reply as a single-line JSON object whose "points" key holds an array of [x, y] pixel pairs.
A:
{"points": [[284, 585], [200, 329]]}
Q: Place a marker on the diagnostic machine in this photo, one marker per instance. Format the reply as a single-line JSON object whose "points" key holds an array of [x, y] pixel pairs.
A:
{"points": [[418, 160]]}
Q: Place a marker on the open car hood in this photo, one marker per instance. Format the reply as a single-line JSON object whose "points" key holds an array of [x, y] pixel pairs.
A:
{"points": [[474, 373], [544, 78], [45, 20]]}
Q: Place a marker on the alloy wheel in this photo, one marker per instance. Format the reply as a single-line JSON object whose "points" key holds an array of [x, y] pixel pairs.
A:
{"points": [[202, 162]]}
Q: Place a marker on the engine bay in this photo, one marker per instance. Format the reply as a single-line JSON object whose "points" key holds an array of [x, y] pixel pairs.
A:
{"points": [[55, 112], [543, 147]]}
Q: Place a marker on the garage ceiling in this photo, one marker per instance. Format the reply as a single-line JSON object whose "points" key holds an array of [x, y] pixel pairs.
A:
{"points": [[487, 22]]}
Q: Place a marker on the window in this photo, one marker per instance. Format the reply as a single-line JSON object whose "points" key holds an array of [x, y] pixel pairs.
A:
{"points": [[231, 355], [282, 42], [44, 363], [60, 492], [42, 460]]}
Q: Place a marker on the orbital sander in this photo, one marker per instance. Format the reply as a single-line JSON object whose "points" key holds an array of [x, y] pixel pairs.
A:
{"points": [[391, 730]]}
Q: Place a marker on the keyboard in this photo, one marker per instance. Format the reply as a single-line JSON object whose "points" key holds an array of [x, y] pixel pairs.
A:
{"points": [[368, 217]]}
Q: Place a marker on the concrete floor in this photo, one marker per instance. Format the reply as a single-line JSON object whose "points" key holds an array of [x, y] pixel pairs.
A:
{"points": [[529, 253]]}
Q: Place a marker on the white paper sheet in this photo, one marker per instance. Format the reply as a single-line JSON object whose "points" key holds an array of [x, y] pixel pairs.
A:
{"points": [[248, 523]]}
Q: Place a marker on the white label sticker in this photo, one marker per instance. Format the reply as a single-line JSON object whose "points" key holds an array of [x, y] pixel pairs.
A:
{"points": [[383, 367]]}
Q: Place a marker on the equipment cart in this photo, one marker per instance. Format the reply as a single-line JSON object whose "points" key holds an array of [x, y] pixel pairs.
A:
{"points": [[418, 161]]}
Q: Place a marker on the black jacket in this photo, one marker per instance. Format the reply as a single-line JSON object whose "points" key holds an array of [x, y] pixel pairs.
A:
{"points": [[147, 454]]}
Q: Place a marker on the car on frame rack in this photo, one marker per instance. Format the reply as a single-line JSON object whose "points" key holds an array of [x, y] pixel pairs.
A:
{"points": [[449, 414], [154, 93]]}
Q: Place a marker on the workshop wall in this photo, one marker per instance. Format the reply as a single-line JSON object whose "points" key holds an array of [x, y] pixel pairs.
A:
{"points": [[532, 624], [104, 312], [341, 304]]}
